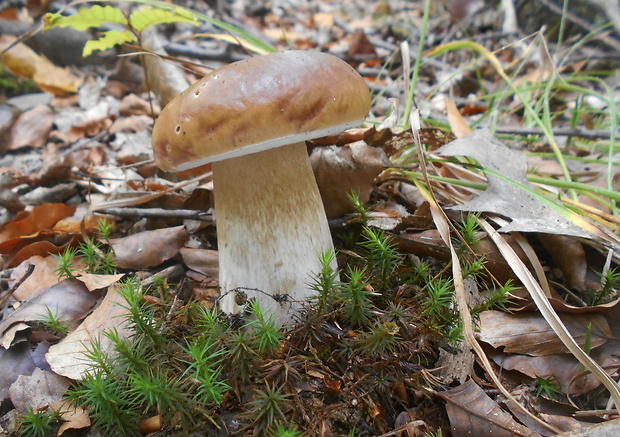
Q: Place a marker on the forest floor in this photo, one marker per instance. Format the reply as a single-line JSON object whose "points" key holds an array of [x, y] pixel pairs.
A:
{"points": [[474, 216]]}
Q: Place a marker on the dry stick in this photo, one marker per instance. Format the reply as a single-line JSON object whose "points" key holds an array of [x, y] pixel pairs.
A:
{"points": [[158, 213], [148, 197], [443, 226], [10, 292]]}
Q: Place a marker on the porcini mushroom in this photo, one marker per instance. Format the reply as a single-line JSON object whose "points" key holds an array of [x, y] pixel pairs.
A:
{"points": [[251, 120]]}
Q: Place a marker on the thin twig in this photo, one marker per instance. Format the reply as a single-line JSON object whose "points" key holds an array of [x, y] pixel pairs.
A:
{"points": [[10, 292], [157, 213]]}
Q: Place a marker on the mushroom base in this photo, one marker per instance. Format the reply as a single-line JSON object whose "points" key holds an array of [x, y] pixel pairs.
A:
{"points": [[271, 229]]}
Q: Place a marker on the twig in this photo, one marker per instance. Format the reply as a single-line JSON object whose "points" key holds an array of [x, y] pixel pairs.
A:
{"points": [[591, 134], [158, 213], [10, 292]]}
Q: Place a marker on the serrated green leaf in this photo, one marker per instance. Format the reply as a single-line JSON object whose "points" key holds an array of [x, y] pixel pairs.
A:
{"points": [[149, 17], [108, 40], [86, 18], [241, 34]]}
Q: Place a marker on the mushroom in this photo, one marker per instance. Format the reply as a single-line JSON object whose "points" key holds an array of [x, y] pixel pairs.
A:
{"points": [[251, 120]]}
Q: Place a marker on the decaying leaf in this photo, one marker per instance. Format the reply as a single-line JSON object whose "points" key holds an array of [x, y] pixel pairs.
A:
{"points": [[68, 300], [605, 429], [565, 368], [150, 248], [98, 282], [201, 260], [472, 412], [72, 417], [42, 217], [530, 334], [67, 357], [39, 390], [339, 171], [14, 362], [570, 257], [457, 123], [41, 278], [32, 127]]}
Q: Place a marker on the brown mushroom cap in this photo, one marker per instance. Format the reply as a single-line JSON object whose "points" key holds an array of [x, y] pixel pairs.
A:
{"points": [[256, 104]]}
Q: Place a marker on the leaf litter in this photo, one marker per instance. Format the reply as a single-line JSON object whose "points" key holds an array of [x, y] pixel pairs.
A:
{"points": [[93, 148]]}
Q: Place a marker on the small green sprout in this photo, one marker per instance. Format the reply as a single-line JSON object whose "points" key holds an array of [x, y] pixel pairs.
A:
{"points": [[56, 326], [66, 263], [550, 386], [37, 423]]}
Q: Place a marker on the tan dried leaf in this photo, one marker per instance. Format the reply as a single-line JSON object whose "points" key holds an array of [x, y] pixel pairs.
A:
{"points": [[67, 357]]}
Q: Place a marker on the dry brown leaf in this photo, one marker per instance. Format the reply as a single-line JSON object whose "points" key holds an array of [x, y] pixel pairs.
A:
{"points": [[149, 248], [16, 333], [134, 105], [32, 128], [564, 367], [14, 362], [569, 255], [457, 123], [39, 390], [41, 278], [133, 123], [23, 61], [29, 247], [547, 311], [610, 428], [472, 412], [68, 300], [89, 224], [409, 424], [429, 243], [67, 357], [201, 260], [98, 282], [72, 417], [30, 223], [341, 170], [530, 334]]}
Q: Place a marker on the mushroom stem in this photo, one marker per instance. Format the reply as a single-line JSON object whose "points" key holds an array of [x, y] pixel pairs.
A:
{"points": [[271, 229]]}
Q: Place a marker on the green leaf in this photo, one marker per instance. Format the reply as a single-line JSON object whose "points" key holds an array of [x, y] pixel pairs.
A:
{"points": [[108, 40], [86, 18], [150, 16], [239, 33]]}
